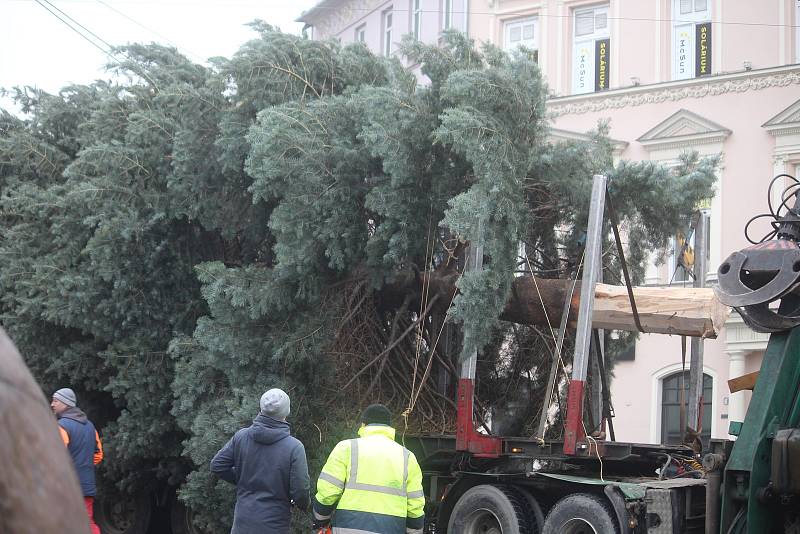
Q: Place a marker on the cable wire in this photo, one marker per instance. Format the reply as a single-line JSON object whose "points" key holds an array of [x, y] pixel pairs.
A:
{"points": [[788, 192], [165, 38], [103, 50], [109, 52], [259, 3]]}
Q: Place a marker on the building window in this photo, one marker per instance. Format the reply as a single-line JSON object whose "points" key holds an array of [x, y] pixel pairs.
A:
{"points": [[387, 32], [691, 39], [591, 48], [448, 14], [361, 34], [671, 406], [522, 33], [416, 18], [682, 256]]}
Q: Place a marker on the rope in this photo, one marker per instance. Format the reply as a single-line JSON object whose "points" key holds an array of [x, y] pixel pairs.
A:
{"points": [[424, 300], [559, 350], [422, 305], [593, 441]]}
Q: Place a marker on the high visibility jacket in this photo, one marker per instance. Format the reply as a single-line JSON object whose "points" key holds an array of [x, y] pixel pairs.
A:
{"points": [[371, 485]]}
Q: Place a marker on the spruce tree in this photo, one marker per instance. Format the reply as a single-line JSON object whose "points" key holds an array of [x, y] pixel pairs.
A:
{"points": [[178, 242]]}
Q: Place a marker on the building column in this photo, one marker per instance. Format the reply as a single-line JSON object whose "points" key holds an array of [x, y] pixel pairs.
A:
{"points": [[778, 167], [736, 407]]}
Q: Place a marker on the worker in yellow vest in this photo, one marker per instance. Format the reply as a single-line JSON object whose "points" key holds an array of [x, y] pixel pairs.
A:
{"points": [[371, 485]]}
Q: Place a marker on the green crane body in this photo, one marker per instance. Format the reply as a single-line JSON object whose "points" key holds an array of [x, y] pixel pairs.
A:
{"points": [[748, 504]]}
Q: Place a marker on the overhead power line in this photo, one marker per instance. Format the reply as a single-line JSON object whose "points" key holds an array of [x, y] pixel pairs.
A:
{"points": [[87, 30], [161, 36], [105, 51], [108, 52], [260, 4]]}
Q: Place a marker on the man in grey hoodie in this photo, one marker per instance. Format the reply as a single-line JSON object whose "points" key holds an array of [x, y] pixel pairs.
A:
{"points": [[268, 467]]}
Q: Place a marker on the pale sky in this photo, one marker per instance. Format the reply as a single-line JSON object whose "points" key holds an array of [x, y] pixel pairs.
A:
{"points": [[37, 49]]}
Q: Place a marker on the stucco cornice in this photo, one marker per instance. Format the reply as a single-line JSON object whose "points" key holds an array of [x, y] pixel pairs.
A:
{"points": [[681, 129], [787, 122], [739, 82], [784, 129], [557, 134], [329, 17], [740, 337]]}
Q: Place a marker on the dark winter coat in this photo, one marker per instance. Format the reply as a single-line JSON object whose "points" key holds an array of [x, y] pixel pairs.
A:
{"points": [[269, 469], [83, 444]]}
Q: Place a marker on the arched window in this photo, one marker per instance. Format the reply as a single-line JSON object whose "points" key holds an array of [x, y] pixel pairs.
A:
{"points": [[671, 407]]}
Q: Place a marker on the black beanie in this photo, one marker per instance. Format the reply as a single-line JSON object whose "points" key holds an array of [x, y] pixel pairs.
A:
{"points": [[377, 414]]}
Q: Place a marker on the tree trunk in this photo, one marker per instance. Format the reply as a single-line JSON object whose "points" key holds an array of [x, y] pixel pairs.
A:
{"points": [[538, 301]]}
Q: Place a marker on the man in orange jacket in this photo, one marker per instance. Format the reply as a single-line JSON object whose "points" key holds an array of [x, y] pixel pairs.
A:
{"points": [[83, 444]]}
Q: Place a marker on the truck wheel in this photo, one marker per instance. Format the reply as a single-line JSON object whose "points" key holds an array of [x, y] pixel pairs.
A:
{"points": [[181, 519], [581, 513], [123, 514], [535, 509], [488, 509]]}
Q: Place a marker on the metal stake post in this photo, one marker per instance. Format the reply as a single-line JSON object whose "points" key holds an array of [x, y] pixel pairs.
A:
{"points": [[467, 438], [552, 378], [695, 412], [597, 382], [594, 231]]}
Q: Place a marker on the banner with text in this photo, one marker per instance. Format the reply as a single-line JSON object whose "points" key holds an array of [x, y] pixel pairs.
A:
{"points": [[583, 67], [602, 49], [683, 52], [702, 49]]}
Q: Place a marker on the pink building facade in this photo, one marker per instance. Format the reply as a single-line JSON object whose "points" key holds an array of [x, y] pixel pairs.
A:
{"points": [[715, 76]]}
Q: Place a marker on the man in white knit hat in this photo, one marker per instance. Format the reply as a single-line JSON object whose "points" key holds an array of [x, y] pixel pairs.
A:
{"points": [[268, 467]]}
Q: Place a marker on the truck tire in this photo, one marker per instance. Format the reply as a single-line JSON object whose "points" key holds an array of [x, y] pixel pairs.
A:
{"points": [[123, 514], [535, 509], [488, 509], [581, 513], [181, 519]]}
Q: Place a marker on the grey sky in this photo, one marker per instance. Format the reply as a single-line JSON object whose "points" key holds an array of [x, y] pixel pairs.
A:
{"points": [[37, 49]]}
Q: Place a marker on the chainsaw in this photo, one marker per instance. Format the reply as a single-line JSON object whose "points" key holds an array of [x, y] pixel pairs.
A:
{"points": [[761, 281]]}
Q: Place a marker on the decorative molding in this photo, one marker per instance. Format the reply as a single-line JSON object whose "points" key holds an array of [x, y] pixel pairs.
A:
{"points": [[754, 80], [787, 122], [331, 17], [681, 129], [739, 336], [557, 134]]}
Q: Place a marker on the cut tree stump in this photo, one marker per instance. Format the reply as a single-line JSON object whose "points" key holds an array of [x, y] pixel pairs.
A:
{"points": [[662, 310], [690, 311]]}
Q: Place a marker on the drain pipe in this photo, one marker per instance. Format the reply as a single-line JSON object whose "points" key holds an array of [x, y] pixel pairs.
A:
{"points": [[713, 464]]}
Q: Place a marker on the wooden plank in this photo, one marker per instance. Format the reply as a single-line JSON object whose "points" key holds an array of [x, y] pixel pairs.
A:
{"points": [[743, 383], [664, 310], [686, 311]]}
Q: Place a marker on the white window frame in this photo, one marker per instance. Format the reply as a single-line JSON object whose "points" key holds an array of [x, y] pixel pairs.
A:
{"points": [[673, 259], [387, 20], [509, 26], [360, 35], [583, 48], [683, 37], [447, 11], [796, 31], [657, 392], [416, 19]]}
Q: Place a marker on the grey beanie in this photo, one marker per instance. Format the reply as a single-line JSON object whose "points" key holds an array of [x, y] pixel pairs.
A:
{"points": [[275, 403], [67, 396]]}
